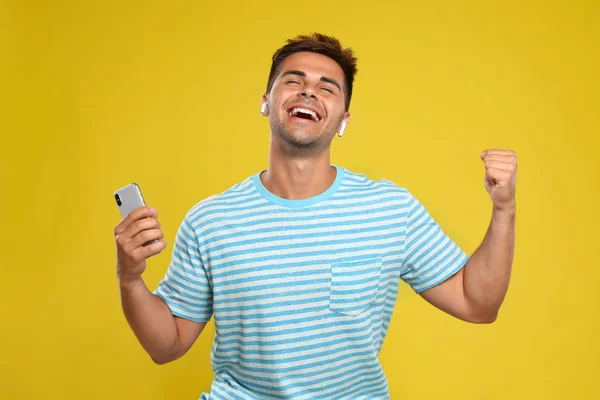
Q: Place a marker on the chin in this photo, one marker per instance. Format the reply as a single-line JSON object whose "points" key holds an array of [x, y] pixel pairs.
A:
{"points": [[298, 137], [306, 140], [302, 142]]}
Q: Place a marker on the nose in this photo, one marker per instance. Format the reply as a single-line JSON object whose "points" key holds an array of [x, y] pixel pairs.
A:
{"points": [[307, 92]]}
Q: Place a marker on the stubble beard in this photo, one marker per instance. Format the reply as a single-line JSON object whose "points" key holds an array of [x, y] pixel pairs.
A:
{"points": [[299, 143]]}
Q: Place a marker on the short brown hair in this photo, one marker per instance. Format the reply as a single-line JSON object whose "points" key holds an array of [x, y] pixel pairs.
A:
{"points": [[321, 44]]}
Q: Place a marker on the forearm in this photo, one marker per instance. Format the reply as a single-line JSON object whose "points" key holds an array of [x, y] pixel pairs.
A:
{"points": [[488, 270], [150, 319]]}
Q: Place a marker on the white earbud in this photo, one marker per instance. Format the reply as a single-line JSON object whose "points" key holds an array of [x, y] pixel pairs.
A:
{"points": [[342, 128], [263, 109]]}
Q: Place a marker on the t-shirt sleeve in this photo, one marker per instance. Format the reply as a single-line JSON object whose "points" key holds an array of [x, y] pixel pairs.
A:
{"points": [[430, 256], [186, 287]]}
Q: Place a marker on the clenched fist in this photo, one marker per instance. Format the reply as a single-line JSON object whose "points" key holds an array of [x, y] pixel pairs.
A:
{"points": [[138, 237], [500, 177]]}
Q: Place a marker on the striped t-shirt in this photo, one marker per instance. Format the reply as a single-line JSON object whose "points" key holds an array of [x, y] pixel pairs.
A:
{"points": [[302, 291]]}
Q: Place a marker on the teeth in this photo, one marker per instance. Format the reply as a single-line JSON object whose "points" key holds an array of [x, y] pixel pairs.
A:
{"points": [[296, 110]]}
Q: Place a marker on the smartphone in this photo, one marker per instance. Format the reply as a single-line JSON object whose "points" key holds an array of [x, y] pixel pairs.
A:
{"points": [[129, 198]]}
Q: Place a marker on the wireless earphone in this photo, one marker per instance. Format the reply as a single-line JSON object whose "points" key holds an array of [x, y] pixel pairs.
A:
{"points": [[342, 128], [263, 109]]}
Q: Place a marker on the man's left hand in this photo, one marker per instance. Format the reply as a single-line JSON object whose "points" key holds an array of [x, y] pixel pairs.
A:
{"points": [[501, 177]]}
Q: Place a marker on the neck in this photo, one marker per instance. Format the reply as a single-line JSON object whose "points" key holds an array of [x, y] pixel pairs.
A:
{"points": [[295, 176]]}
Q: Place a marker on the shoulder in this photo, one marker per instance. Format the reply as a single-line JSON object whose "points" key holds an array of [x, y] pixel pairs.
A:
{"points": [[240, 194], [361, 183]]}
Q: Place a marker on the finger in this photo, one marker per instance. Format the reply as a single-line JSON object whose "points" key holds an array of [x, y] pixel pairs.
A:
{"points": [[150, 250], [500, 157], [497, 152], [505, 166], [498, 174], [135, 228], [142, 225], [144, 237], [137, 214]]}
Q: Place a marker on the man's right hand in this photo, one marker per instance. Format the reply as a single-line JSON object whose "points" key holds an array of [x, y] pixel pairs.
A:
{"points": [[139, 227]]}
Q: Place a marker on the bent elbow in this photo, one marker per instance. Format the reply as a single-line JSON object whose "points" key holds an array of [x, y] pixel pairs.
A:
{"points": [[481, 313], [159, 360], [162, 359], [490, 319], [486, 318]]}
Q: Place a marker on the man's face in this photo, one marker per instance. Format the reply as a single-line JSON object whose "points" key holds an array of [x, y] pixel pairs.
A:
{"points": [[307, 100]]}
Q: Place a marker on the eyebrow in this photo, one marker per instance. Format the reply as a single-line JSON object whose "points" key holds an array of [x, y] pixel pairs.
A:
{"points": [[302, 74]]}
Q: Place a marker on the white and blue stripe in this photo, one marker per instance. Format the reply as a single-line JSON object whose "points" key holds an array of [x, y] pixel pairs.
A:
{"points": [[302, 291]]}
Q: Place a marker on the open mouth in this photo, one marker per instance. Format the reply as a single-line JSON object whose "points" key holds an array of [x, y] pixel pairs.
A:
{"points": [[304, 113]]}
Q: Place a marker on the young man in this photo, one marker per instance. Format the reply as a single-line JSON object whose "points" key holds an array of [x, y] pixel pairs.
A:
{"points": [[300, 264]]}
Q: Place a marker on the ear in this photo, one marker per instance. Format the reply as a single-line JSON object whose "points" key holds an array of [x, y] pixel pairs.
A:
{"points": [[344, 124], [264, 106]]}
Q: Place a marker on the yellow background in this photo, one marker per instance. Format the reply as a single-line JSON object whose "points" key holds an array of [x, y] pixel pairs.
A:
{"points": [[97, 94]]}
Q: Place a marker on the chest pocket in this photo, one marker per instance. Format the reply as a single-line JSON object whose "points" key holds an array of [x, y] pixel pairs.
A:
{"points": [[354, 285]]}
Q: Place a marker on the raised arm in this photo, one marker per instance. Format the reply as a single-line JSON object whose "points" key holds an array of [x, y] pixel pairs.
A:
{"points": [[477, 291]]}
